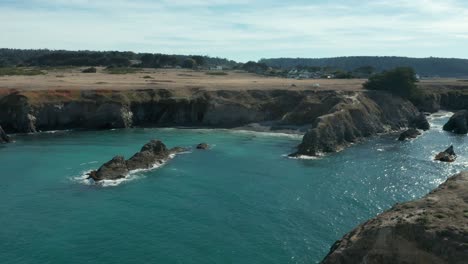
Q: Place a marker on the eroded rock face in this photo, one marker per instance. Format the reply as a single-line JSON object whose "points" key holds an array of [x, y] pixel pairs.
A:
{"points": [[356, 117], [4, 138], [433, 229], [458, 123], [409, 134], [447, 156], [151, 154]]}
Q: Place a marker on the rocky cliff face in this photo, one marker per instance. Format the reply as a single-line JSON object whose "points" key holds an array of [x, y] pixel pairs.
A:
{"points": [[337, 118], [120, 109], [358, 116], [433, 229]]}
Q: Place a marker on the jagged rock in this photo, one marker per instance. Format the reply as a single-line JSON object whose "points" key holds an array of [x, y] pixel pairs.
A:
{"points": [[447, 156], [152, 153], [203, 146], [433, 229], [355, 117], [408, 134], [4, 138], [458, 123], [111, 170], [421, 122]]}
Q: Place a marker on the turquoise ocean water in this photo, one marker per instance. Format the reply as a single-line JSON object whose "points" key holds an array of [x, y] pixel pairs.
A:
{"points": [[242, 201]]}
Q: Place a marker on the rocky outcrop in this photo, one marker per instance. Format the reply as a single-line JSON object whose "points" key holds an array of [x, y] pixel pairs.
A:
{"points": [[409, 134], [458, 123], [358, 116], [433, 229], [151, 154], [4, 138], [203, 146], [447, 155]]}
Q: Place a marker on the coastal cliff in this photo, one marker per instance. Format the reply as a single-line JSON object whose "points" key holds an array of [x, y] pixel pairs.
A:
{"points": [[433, 229], [333, 119], [26, 112]]}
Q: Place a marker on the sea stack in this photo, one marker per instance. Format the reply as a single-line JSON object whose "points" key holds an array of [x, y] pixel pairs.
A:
{"points": [[458, 123], [151, 154], [447, 156]]}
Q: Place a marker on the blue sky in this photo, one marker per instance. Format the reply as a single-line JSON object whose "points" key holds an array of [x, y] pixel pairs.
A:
{"points": [[241, 30]]}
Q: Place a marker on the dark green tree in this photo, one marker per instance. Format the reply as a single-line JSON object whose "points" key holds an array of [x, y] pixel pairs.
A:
{"points": [[400, 81], [189, 63]]}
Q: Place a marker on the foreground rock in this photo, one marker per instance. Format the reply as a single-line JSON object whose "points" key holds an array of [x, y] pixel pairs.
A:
{"points": [[458, 123], [203, 146], [409, 134], [447, 156], [433, 229], [4, 138], [356, 117], [151, 154]]}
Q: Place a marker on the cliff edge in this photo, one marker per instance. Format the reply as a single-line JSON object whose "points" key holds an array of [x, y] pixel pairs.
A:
{"points": [[433, 229]]}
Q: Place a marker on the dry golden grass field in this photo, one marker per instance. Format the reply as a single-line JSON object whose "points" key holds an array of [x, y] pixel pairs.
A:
{"points": [[179, 80]]}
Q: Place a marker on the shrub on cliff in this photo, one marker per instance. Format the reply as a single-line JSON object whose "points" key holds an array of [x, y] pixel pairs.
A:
{"points": [[89, 70], [400, 81]]}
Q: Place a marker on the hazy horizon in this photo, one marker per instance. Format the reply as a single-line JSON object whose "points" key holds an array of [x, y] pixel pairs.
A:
{"points": [[242, 30]]}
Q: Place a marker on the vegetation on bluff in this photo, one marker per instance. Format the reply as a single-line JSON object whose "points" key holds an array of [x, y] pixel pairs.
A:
{"points": [[11, 71], [399, 81]]}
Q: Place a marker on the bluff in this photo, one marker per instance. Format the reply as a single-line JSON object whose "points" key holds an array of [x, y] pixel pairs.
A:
{"points": [[333, 118], [433, 229]]}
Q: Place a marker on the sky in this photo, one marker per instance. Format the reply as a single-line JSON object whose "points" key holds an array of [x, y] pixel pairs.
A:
{"points": [[241, 30]]}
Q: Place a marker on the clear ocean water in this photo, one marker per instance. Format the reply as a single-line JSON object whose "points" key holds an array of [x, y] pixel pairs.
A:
{"points": [[242, 201]]}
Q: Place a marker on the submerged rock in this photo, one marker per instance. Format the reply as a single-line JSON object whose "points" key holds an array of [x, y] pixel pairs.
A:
{"points": [[458, 123], [408, 134], [4, 138], [203, 146], [429, 230], [151, 154], [447, 156]]}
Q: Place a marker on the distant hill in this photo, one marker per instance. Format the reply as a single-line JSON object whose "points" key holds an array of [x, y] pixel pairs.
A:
{"points": [[45, 57], [443, 67]]}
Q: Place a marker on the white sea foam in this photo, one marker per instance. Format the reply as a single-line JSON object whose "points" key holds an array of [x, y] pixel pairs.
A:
{"points": [[302, 157]]}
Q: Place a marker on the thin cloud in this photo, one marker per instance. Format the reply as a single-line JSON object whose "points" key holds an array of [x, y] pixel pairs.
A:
{"points": [[240, 30]]}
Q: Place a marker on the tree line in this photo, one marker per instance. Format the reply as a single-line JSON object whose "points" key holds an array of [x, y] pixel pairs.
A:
{"points": [[53, 58], [443, 67]]}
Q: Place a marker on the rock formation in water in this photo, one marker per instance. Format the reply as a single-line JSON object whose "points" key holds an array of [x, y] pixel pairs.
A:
{"points": [[151, 154], [203, 146], [4, 138], [447, 155], [458, 123], [409, 134], [433, 229], [356, 117]]}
